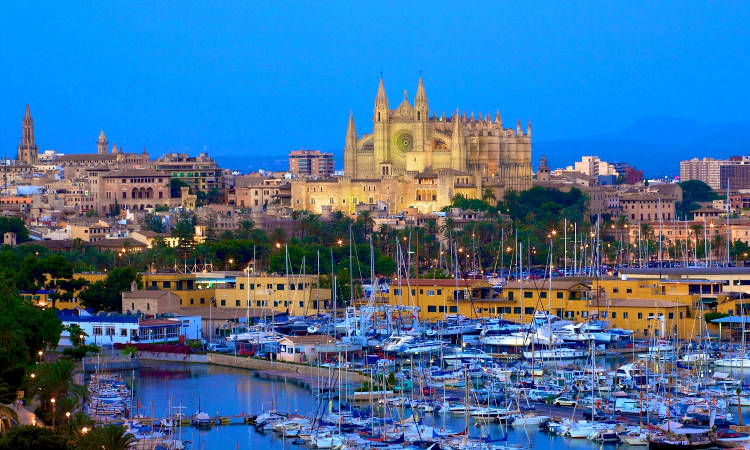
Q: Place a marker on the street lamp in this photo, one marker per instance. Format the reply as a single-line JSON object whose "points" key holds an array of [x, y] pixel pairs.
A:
{"points": [[54, 411], [85, 430]]}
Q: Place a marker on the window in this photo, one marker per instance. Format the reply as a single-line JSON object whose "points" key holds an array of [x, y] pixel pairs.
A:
{"points": [[223, 303], [166, 284], [517, 310], [397, 292], [237, 303], [584, 313], [528, 310], [615, 290], [640, 315], [421, 291], [624, 315], [301, 304], [132, 306], [543, 295], [441, 309], [431, 308], [671, 315], [203, 301], [430, 292], [413, 292], [439, 292], [510, 295], [110, 331], [279, 286], [242, 286], [629, 291], [123, 332], [528, 294], [453, 309], [97, 331], [191, 301], [559, 295], [645, 331]]}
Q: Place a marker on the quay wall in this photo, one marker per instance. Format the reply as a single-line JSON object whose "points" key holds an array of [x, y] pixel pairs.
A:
{"points": [[264, 365], [300, 371], [176, 357]]}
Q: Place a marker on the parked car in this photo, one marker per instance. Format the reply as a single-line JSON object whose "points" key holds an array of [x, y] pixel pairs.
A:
{"points": [[564, 401], [219, 348]]}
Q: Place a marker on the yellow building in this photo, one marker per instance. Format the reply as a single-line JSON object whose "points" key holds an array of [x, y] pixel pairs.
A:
{"points": [[574, 300], [298, 294], [684, 291]]}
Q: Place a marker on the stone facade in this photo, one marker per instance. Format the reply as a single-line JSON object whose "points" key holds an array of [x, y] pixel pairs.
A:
{"points": [[407, 139], [28, 152], [414, 160]]}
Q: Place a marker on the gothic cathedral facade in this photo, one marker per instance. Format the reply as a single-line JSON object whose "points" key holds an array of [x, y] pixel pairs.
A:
{"points": [[408, 140]]}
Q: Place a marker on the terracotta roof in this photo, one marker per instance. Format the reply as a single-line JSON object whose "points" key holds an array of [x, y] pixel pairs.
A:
{"points": [[135, 173], [157, 322], [145, 293], [87, 157]]}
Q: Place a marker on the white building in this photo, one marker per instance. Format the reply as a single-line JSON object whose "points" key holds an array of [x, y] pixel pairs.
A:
{"points": [[108, 329]]}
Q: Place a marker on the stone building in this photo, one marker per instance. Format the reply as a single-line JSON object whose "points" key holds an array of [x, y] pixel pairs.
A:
{"points": [[28, 152], [414, 159], [134, 189], [407, 139], [310, 163]]}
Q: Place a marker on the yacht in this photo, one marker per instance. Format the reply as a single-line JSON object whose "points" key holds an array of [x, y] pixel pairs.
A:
{"points": [[556, 353], [467, 355], [397, 343], [522, 339], [573, 333], [421, 347], [740, 362]]}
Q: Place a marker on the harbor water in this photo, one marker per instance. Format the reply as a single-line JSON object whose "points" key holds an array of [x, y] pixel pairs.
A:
{"points": [[227, 391]]}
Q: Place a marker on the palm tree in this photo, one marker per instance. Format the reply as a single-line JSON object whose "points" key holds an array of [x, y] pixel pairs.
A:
{"points": [[111, 437], [56, 381], [7, 417], [488, 196]]}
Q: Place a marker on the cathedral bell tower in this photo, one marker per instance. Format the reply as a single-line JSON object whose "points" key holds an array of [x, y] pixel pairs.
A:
{"points": [[102, 145], [422, 117], [27, 149], [350, 149], [381, 131]]}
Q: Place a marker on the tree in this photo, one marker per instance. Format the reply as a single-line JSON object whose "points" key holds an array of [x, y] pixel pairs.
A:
{"points": [[175, 187], [56, 381], [8, 415], [110, 437], [488, 196], [106, 295], [28, 437], [15, 225], [694, 191], [24, 330]]}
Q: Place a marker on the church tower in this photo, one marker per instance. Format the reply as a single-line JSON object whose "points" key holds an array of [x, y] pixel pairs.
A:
{"points": [[422, 117], [27, 149], [542, 173], [381, 119], [101, 144], [350, 149]]}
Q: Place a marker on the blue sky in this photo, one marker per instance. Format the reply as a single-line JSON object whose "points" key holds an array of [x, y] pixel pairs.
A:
{"points": [[251, 81]]}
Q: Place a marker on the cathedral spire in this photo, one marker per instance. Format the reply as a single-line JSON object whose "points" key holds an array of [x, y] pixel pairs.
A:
{"points": [[381, 104], [528, 129], [27, 149], [351, 132], [519, 131], [498, 119]]}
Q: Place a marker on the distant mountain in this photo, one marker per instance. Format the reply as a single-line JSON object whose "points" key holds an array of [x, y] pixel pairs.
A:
{"points": [[655, 145]]}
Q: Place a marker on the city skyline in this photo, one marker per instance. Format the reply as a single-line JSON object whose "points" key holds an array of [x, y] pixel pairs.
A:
{"points": [[279, 79]]}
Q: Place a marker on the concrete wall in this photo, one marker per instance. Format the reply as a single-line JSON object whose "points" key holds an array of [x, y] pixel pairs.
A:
{"points": [[265, 365], [177, 357]]}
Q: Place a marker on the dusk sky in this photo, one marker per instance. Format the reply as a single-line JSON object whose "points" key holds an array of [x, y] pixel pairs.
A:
{"points": [[251, 81]]}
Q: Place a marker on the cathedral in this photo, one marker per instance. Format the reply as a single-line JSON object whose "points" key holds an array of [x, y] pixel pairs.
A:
{"points": [[416, 159], [407, 139]]}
